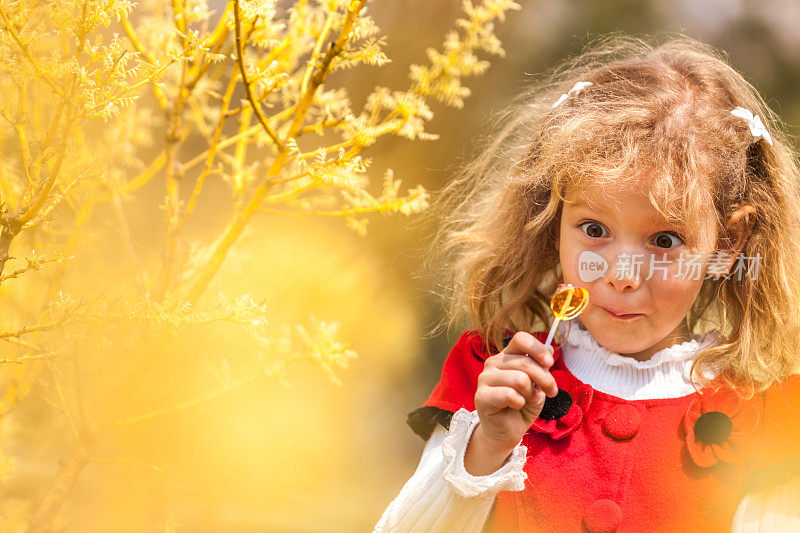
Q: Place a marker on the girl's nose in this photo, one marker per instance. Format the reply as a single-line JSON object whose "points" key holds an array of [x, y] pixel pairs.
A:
{"points": [[626, 271]]}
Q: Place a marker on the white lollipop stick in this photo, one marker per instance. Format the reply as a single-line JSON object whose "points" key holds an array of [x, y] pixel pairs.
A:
{"points": [[557, 320], [552, 332]]}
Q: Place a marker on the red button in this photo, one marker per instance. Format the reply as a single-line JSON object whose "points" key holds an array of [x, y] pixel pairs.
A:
{"points": [[622, 422], [603, 516]]}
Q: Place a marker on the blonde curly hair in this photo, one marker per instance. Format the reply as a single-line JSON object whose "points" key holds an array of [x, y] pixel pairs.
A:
{"points": [[658, 110]]}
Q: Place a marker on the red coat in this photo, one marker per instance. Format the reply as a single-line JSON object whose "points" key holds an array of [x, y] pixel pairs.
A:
{"points": [[609, 464]]}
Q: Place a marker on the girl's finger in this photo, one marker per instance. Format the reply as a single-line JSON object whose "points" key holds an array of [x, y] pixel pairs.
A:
{"points": [[525, 343], [498, 398], [540, 376], [516, 379]]}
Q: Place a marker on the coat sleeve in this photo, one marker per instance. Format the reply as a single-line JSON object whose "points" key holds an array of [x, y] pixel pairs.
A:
{"points": [[442, 496], [773, 509], [455, 388], [777, 459], [771, 500], [463, 365]]}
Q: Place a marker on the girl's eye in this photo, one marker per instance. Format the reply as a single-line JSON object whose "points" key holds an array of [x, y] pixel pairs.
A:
{"points": [[592, 229], [667, 240]]}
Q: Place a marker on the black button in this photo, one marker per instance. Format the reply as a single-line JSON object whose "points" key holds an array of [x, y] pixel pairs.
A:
{"points": [[713, 427], [557, 406]]}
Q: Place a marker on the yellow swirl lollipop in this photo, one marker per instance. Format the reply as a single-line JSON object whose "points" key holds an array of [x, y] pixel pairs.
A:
{"points": [[567, 302]]}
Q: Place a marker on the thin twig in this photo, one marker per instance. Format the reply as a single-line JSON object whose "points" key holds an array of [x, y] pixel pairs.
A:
{"points": [[31, 329], [30, 266], [237, 25], [156, 468], [64, 407], [214, 43], [161, 98], [68, 473], [243, 216], [22, 358], [225, 387], [212, 151], [24, 49], [174, 173], [392, 206], [127, 239]]}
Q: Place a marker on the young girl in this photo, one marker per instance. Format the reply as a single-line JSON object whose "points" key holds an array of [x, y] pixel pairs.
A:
{"points": [[658, 181]]}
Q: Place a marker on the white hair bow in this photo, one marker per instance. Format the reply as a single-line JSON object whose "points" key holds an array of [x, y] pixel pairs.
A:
{"points": [[578, 87], [757, 128]]}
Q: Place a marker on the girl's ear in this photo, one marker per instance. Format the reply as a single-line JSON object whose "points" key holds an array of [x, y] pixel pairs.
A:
{"points": [[738, 229], [740, 226]]}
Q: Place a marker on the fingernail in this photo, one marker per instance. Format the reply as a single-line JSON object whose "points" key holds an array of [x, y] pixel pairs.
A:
{"points": [[548, 360]]}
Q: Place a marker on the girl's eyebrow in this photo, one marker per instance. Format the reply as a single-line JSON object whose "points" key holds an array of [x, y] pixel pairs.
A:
{"points": [[582, 204], [654, 222]]}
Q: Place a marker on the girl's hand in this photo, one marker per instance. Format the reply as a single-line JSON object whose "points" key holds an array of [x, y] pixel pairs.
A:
{"points": [[510, 395]]}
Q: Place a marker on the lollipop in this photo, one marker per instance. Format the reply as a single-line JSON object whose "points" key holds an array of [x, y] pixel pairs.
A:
{"points": [[567, 302]]}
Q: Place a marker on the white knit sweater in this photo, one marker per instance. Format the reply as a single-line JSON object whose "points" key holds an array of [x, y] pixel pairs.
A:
{"points": [[442, 496]]}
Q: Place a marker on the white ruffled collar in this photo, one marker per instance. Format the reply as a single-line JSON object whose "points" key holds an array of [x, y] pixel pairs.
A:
{"points": [[577, 335], [664, 375]]}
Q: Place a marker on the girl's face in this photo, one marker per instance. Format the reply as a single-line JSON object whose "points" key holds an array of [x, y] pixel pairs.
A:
{"points": [[633, 263]]}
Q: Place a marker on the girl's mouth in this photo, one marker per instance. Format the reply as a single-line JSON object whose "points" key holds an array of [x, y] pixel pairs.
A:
{"points": [[621, 316]]}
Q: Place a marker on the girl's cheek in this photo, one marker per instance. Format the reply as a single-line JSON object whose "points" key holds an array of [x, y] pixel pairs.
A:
{"points": [[569, 255], [679, 275]]}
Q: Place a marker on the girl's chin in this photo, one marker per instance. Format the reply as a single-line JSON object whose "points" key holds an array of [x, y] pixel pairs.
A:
{"points": [[615, 340], [626, 351], [622, 349]]}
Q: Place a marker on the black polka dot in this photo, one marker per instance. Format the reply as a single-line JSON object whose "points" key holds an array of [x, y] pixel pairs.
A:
{"points": [[713, 427], [556, 407]]}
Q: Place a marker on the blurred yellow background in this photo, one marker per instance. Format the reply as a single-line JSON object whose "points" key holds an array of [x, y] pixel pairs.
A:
{"points": [[305, 454]]}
